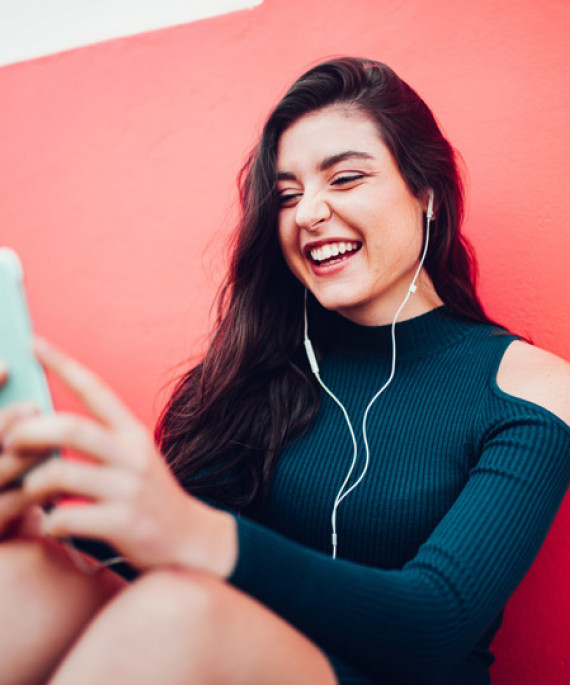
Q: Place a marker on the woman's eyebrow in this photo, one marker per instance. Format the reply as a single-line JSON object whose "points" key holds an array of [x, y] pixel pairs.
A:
{"points": [[341, 157], [328, 162], [286, 176]]}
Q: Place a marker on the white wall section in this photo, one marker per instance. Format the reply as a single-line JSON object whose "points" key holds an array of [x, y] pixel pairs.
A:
{"points": [[33, 28]]}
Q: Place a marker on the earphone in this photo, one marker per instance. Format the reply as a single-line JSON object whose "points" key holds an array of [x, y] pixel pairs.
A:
{"points": [[313, 363], [429, 211]]}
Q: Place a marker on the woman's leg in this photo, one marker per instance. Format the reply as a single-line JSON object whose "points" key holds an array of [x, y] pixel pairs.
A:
{"points": [[45, 601], [180, 627]]}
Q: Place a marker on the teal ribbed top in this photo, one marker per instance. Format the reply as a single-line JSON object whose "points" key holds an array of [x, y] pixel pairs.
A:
{"points": [[463, 484]]}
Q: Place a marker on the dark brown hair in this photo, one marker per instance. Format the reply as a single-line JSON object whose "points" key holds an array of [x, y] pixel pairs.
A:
{"points": [[230, 416]]}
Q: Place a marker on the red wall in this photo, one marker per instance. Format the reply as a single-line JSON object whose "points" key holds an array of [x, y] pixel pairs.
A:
{"points": [[117, 167]]}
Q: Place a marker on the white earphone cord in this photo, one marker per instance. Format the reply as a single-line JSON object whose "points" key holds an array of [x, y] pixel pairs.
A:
{"points": [[342, 494]]}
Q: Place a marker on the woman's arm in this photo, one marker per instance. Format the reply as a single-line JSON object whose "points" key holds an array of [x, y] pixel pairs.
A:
{"points": [[417, 623]]}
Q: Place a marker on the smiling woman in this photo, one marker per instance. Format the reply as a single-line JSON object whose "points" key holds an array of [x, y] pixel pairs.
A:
{"points": [[355, 478], [349, 227]]}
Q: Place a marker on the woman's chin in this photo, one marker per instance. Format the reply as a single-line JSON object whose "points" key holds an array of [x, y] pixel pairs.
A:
{"points": [[349, 308]]}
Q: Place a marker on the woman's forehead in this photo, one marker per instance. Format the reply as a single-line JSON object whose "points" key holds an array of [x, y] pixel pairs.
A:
{"points": [[326, 134]]}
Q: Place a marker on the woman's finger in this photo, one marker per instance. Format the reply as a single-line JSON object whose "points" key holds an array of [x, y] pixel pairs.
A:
{"points": [[13, 505], [64, 477], [83, 520], [47, 432], [97, 397], [3, 373], [30, 523], [13, 465], [14, 412]]}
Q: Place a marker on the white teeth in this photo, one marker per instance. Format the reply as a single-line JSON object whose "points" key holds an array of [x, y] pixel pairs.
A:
{"points": [[319, 254]]}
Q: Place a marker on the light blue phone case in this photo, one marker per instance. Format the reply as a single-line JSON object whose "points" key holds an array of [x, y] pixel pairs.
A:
{"points": [[26, 380]]}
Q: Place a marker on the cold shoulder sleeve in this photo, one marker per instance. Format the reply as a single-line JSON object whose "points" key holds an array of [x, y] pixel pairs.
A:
{"points": [[415, 624]]}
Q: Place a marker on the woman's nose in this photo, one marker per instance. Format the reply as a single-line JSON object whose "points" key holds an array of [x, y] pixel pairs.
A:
{"points": [[312, 210]]}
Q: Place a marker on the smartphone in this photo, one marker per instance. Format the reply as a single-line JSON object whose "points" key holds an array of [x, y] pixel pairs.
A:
{"points": [[26, 379]]}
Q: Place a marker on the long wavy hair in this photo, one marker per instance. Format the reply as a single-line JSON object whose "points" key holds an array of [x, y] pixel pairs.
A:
{"points": [[230, 416]]}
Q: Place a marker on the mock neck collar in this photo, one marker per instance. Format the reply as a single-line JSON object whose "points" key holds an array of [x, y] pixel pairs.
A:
{"points": [[416, 337]]}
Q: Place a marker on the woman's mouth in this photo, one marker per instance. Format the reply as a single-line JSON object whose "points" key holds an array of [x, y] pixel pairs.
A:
{"points": [[331, 253]]}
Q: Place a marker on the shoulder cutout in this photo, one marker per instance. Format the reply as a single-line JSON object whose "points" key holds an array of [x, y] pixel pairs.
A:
{"points": [[538, 376]]}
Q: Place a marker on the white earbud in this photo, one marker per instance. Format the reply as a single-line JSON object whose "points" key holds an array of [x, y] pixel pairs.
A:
{"points": [[429, 213]]}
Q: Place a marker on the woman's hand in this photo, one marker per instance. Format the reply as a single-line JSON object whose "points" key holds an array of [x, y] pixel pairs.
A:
{"points": [[18, 516], [133, 502]]}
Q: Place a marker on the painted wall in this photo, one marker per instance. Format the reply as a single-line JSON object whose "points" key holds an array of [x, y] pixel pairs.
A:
{"points": [[117, 168]]}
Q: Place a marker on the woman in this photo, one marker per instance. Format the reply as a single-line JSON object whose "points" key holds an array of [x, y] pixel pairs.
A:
{"points": [[428, 455]]}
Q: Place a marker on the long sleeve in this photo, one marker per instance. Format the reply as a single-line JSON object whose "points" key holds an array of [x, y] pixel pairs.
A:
{"points": [[416, 623]]}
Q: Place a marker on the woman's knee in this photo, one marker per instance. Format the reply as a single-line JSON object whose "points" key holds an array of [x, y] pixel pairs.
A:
{"points": [[45, 601], [190, 598], [33, 565], [228, 635], [20, 558], [163, 616], [189, 626]]}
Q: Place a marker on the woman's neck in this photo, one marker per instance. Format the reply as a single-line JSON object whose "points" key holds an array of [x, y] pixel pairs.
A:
{"points": [[382, 312]]}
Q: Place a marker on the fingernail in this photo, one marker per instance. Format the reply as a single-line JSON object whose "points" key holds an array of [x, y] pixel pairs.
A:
{"points": [[41, 345], [25, 409]]}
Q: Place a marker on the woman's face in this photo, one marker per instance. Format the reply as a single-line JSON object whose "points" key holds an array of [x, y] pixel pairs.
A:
{"points": [[349, 228]]}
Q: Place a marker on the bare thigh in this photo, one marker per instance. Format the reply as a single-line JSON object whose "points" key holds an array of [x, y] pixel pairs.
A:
{"points": [[45, 602], [181, 627]]}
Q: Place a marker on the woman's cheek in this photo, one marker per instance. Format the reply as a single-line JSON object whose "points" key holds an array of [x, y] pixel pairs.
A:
{"points": [[290, 252], [299, 267]]}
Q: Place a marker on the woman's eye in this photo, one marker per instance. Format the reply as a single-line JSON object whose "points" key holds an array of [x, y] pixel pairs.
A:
{"points": [[288, 199], [345, 180]]}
